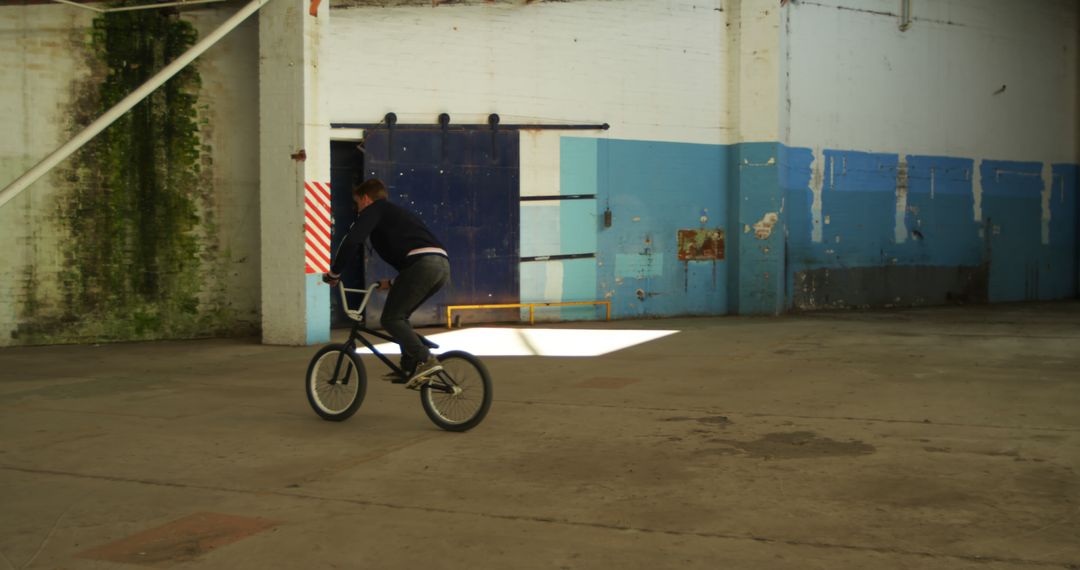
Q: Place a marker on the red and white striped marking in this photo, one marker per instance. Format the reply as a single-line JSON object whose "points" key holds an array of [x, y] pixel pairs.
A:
{"points": [[317, 226]]}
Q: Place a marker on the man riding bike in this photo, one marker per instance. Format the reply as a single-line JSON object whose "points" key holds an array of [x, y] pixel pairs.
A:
{"points": [[404, 242]]}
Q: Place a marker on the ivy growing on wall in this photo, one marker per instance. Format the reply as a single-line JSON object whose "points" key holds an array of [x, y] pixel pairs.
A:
{"points": [[141, 258]]}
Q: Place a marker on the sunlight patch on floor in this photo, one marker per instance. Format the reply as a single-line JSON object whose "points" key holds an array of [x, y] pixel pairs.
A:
{"points": [[484, 341]]}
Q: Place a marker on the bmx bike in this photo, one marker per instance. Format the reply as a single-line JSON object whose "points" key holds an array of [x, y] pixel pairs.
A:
{"points": [[456, 398]]}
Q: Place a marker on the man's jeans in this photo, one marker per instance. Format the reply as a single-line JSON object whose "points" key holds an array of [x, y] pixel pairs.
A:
{"points": [[416, 284]]}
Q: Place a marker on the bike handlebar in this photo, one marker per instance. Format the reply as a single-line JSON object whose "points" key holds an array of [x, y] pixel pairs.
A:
{"points": [[357, 314]]}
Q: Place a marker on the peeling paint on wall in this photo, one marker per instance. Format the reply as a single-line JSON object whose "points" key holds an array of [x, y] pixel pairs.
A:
{"points": [[1048, 190], [764, 227], [977, 189], [701, 244], [817, 183], [900, 232]]}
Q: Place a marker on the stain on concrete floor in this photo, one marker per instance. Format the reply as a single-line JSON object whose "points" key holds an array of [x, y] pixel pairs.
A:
{"points": [[720, 421], [797, 445], [180, 541]]}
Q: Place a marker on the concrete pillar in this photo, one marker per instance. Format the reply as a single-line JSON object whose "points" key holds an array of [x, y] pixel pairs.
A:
{"points": [[756, 237], [294, 153]]}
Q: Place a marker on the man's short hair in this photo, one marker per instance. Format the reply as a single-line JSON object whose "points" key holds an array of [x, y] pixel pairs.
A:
{"points": [[372, 187]]}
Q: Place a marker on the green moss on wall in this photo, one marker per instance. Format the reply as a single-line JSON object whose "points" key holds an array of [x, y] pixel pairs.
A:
{"points": [[142, 257]]}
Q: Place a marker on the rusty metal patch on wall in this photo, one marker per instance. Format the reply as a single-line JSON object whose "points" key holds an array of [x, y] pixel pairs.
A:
{"points": [[701, 244]]}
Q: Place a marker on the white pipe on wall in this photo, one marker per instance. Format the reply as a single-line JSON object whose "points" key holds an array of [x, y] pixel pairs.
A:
{"points": [[143, 7], [125, 105], [181, 3], [83, 6]]}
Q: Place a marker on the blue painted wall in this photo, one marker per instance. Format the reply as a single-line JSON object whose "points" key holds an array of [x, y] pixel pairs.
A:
{"points": [[317, 296], [1012, 208], [755, 198], [939, 241], [1064, 234], [998, 257], [653, 189], [940, 220]]}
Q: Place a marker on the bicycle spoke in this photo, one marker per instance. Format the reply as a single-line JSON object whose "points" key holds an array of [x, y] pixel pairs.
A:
{"points": [[335, 382], [457, 394]]}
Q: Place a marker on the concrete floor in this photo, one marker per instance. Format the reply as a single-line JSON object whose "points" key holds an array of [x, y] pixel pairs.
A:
{"points": [[935, 438]]}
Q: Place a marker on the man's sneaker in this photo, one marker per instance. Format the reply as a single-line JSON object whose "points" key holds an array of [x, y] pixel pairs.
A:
{"points": [[423, 371]]}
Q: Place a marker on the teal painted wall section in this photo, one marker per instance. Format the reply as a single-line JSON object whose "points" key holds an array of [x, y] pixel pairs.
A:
{"points": [[653, 190], [318, 309], [561, 227], [538, 219], [580, 227], [578, 166], [757, 229]]}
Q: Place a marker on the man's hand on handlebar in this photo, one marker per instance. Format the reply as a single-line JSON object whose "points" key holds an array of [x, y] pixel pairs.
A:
{"points": [[329, 279]]}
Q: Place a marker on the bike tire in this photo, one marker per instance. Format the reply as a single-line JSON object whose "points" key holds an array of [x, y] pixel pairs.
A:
{"points": [[458, 411], [339, 400]]}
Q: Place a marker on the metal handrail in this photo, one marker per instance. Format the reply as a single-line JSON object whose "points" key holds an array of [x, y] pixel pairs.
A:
{"points": [[532, 308]]}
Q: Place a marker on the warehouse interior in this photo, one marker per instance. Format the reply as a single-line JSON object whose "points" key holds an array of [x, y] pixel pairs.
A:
{"points": [[758, 283]]}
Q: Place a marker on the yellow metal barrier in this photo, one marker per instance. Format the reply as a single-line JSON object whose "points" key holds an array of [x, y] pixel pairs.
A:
{"points": [[532, 308]]}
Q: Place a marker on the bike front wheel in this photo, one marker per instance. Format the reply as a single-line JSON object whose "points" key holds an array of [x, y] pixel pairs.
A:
{"points": [[335, 382], [459, 396]]}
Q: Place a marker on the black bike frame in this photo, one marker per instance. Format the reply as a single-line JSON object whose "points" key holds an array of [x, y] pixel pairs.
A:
{"points": [[359, 329]]}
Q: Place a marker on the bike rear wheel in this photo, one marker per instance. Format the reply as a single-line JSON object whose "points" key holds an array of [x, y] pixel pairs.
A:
{"points": [[459, 396], [335, 383]]}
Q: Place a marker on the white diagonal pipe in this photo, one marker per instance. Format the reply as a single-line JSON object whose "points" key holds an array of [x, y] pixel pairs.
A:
{"points": [[125, 105], [181, 3]]}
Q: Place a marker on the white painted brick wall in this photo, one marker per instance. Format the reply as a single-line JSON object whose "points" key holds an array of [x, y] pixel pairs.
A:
{"points": [[677, 70], [40, 58], [753, 43], [651, 69], [857, 82], [230, 92]]}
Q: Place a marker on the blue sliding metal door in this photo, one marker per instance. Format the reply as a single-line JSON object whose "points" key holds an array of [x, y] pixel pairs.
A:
{"points": [[465, 186]]}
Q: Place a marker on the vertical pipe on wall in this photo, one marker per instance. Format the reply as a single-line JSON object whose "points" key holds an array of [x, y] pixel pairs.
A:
{"points": [[905, 15]]}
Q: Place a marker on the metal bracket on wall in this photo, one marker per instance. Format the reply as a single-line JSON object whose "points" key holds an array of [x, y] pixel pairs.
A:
{"points": [[493, 120], [391, 123], [905, 15], [445, 124]]}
